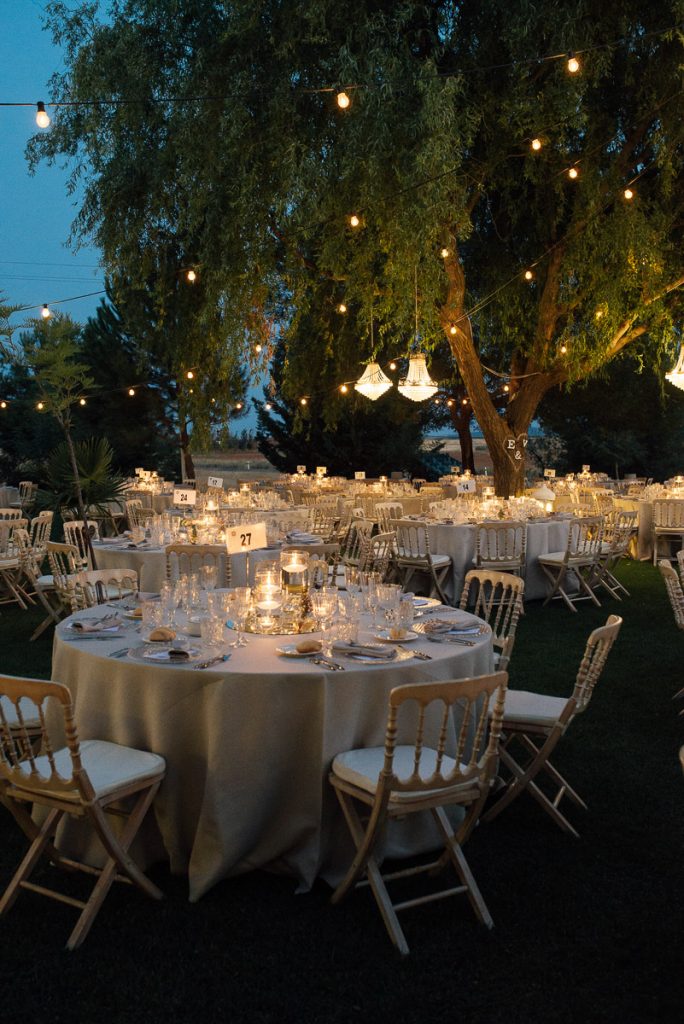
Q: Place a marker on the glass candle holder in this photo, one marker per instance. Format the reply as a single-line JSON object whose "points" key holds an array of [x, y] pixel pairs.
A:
{"points": [[294, 568]]}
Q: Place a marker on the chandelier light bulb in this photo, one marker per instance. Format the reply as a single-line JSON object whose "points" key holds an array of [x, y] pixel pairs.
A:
{"points": [[573, 64], [238, 405], [417, 384], [450, 402], [506, 388], [42, 116], [373, 382], [354, 220], [536, 144], [628, 194], [45, 311], [343, 100]]}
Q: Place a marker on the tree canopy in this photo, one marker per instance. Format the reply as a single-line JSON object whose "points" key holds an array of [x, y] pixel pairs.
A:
{"points": [[207, 135]]}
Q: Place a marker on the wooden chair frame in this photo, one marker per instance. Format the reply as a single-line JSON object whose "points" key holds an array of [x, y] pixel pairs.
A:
{"points": [[580, 559], [501, 545], [618, 532], [196, 555], [538, 740], [498, 599], [462, 779], [413, 555], [26, 779], [97, 586], [668, 522]]}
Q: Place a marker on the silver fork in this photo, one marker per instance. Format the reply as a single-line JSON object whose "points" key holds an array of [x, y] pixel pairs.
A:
{"points": [[325, 663]]}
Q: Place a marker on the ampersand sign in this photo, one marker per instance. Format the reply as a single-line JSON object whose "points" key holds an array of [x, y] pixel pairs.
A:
{"points": [[515, 448]]}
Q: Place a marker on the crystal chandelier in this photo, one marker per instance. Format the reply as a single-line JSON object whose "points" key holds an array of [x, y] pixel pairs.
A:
{"points": [[373, 382], [417, 384], [676, 376]]}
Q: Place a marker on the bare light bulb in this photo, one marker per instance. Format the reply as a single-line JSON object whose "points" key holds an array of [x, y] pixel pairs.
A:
{"points": [[563, 349], [45, 311], [258, 348], [573, 173], [343, 100], [268, 407], [40, 406], [131, 392], [189, 374], [506, 388], [344, 389], [444, 252], [464, 401], [452, 329], [341, 308], [3, 405], [303, 401], [42, 117], [573, 64], [536, 144], [191, 276], [354, 221], [392, 365], [628, 194], [529, 275], [81, 401]]}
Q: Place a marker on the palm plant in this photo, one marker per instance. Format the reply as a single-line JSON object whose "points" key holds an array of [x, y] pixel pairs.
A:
{"points": [[99, 483]]}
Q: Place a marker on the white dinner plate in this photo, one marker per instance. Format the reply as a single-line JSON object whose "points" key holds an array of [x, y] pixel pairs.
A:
{"points": [[384, 635], [398, 655], [290, 651], [421, 603]]}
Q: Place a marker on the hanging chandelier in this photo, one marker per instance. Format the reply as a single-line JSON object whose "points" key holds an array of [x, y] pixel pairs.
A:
{"points": [[676, 376], [373, 382], [417, 384]]}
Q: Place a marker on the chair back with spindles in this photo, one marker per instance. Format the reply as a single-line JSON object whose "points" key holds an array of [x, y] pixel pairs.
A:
{"points": [[7, 514], [189, 558], [595, 654], [76, 533], [674, 591], [496, 597], [97, 586]]}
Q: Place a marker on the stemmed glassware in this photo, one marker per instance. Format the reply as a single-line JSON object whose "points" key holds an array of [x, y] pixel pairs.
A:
{"points": [[240, 607], [324, 606]]}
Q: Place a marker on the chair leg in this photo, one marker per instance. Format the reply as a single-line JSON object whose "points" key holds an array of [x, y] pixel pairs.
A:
{"points": [[462, 869], [42, 840]]}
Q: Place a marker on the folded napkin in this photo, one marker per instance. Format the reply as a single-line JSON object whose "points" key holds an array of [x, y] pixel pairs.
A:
{"points": [[439, 626], [108, 624], [365, 650], [297, 537], [173, 654]]}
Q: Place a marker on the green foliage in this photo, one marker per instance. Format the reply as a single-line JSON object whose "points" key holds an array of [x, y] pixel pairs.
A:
{"points": [[98, 481], [620, 423]]}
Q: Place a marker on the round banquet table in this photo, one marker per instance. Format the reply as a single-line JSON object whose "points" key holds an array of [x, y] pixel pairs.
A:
{"points": [[248, 746], [458, 542], [158, 501], [150, 562]]}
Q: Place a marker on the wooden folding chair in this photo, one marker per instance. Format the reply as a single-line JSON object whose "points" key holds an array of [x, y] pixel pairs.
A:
{"points": [[496, 597], [87, 781], [579, 560], [537, 723], [501, 546], [413, 556], [406, 778], [97, 586], [189, 558]]}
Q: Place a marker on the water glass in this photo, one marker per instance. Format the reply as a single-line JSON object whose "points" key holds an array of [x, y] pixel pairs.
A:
{"points": [[212, 632], [152, 614]]}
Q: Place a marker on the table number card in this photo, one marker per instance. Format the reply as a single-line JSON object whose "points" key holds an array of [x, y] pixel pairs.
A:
{"points": [[184, 496], [550, 474], [245, 538], [586, 469], [301, 470], [321, 470], [215, 481], [466, 486], [360, 475]]}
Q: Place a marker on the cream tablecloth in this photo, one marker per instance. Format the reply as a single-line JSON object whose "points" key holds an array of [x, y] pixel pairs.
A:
{"points": [[248, 746]]}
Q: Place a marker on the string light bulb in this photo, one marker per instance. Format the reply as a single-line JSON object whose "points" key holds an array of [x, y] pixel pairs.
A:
{"points": [[464, 401], [444, 252], [45, 311], [303, 401], [529, 275], [81, 401], [506, 388], [344, 389], [341, 308], [628, 194], [238, 405], [268, 407], [131, 392], [450, 402], [258, 348], [40, 406], [3, 405], [536, 144], [573, 64], [190, 375], [42, 116], [563, 349], [392, 365], [343, 100], [191, 276], [573, 173], [354, 220], [452, 329]]}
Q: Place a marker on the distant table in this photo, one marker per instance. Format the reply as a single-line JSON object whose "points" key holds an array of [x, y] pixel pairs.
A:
{"points": [[7, 496], [248, 747]]}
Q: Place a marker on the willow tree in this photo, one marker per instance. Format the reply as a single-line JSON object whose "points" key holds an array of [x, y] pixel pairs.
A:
{"points": [[218, 122]]}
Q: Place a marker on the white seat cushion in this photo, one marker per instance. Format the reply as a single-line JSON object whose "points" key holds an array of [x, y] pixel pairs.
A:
{"points": [[362, 768], [523, 706], [437, 560], [45, 581], [109, 766], [28, 711]]}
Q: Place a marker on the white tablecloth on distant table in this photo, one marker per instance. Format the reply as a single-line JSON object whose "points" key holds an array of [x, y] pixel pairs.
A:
{"points": [[7, 496], [156, 500], [642, 548], [248, 747], [458, 542], [150, 563]]}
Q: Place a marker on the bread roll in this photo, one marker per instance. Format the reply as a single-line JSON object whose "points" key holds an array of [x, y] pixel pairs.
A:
{"points": [[137, 613], [309, 646], [162, 633]]}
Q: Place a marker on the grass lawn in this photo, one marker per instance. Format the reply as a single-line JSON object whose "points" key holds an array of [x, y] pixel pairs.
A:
{"points": [[585, 930]]}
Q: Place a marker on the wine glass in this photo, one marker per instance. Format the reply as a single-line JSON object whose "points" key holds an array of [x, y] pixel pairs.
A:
{"points": [[240, 607]]}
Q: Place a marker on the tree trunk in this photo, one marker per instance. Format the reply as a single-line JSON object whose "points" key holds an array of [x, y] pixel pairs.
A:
{"points": [[79, 495], [461, 421], [187, 465], [509, 473]]}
